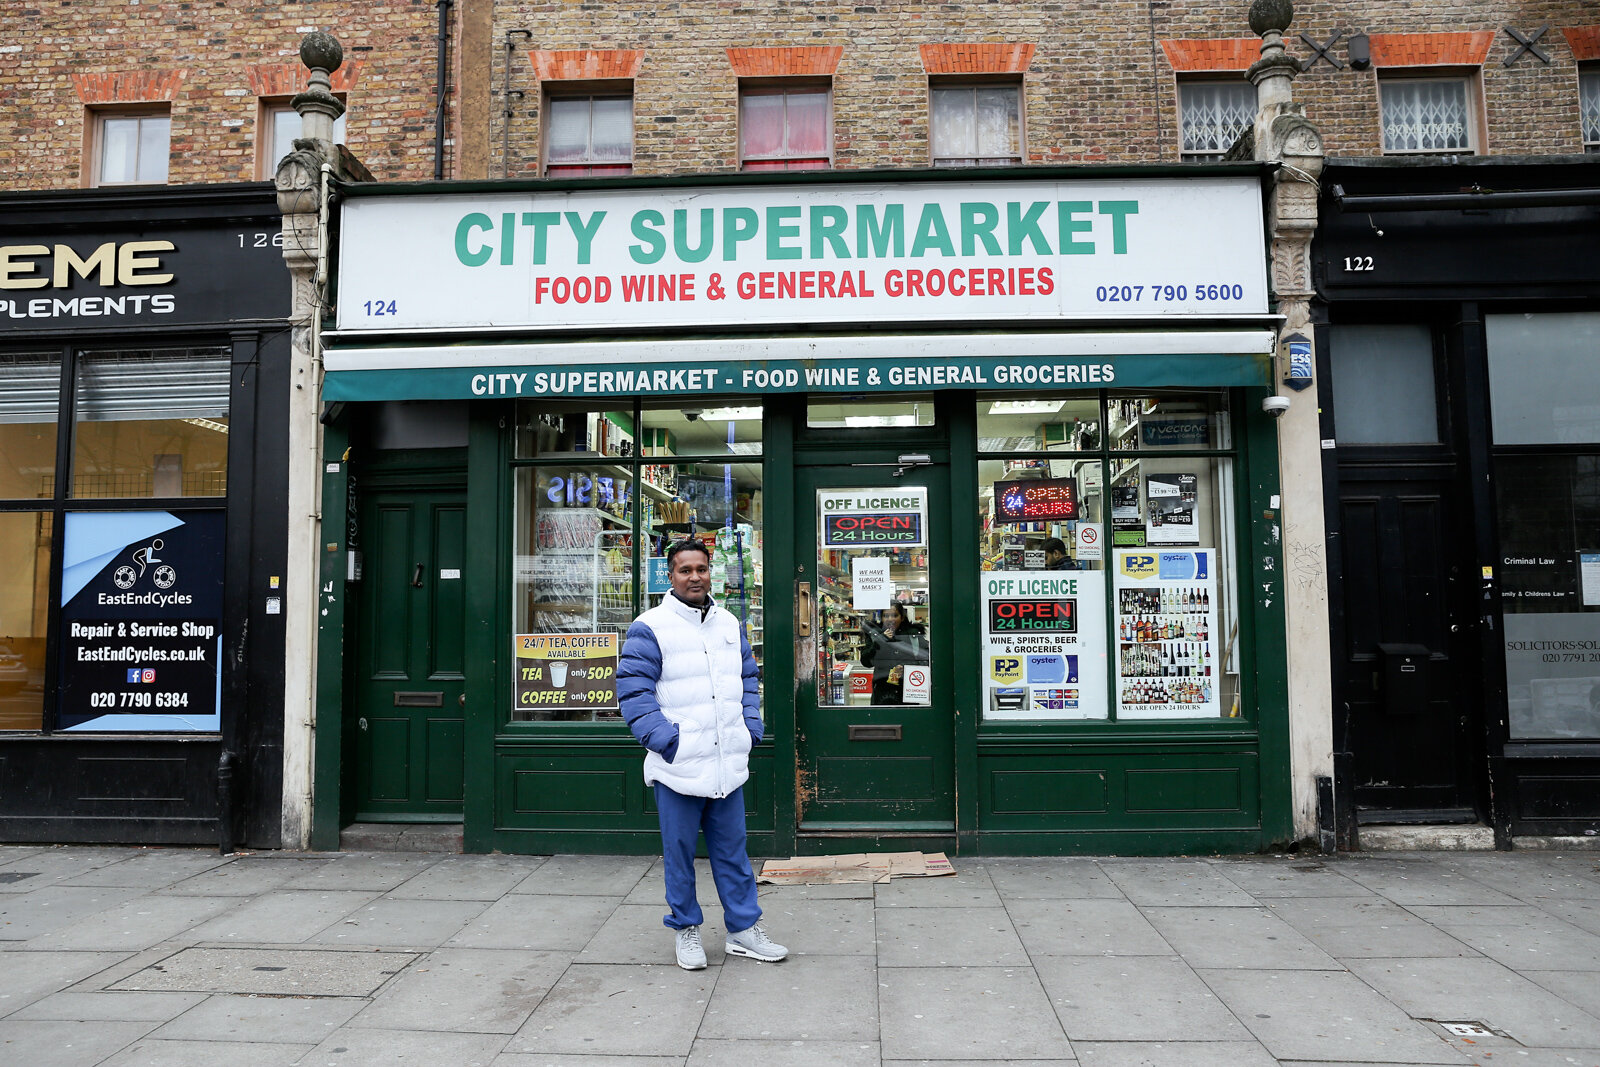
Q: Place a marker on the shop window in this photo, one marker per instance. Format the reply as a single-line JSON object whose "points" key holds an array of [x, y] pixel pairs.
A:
{"points": [[1427, 115], [1589, 107], [785, 127], [856, 414], [1212, 115], [24, 610], [1535, 362], [151, 423], [975, 125], [601, 494], [589, 136], [131, 149], [280, 125], [1383, 385], [30, 395], [1108, 547]]}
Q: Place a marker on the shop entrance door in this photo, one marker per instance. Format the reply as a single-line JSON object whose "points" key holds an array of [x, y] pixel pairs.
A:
{"points": [[1410, 685], [409, 683], [874, 703]]}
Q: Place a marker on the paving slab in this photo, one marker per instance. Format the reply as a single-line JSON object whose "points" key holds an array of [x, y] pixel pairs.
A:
{"points": [[387, 1048], [822, 927], [24, 916], [606, 876], [948, 937], [1326, 1015], [484, 991], [634, 933], [1584, 914], [1237, 937], [1051, 879], [468, 878], [619, 1011], [969, 887], [26, 977], [1577, 988], [802, 999], [1135, 998], [967, 1014], [1173, 1054], [1420, 881], [391, 923], [1481, 990], [1547, 945], [48, 866], [784, 1054], [146, 920], [1289, 878], [150, 868], [536, 921], [50, 1043], [277, 972], [282, 916], [1175, 884], [1085, 927], [280, 1020], [154, 1052], [246, 876], [513, 1059], [376, 872], [1359, 928], [651, 887], [846, 891], [110, 1007]]}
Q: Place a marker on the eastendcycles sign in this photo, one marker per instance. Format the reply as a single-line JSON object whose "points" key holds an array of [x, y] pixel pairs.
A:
{"points": [[933, 251]]}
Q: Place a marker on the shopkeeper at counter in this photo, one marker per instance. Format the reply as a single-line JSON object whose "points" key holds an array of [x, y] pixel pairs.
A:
{"points": [[891, 646]]}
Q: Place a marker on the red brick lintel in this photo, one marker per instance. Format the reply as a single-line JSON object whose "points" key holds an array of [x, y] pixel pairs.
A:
{"points": [[586, 63], [129, 86], [980, 58], [818, 62], [1431, 49], [1584, 42], [1202, 54], [287, 79]]}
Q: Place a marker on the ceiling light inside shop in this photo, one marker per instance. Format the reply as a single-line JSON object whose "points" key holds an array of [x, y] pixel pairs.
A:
{"points": [[730, 414], [1025, 407], [870, 421], [1007, 444]]}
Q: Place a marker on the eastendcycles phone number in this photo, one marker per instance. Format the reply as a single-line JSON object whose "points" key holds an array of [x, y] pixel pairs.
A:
{"points": [[1168, 294]]}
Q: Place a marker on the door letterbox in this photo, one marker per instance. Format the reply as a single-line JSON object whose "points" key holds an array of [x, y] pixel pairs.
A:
{"points": [[1406, 678]]}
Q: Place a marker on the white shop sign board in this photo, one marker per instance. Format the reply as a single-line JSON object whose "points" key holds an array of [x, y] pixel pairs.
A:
{"points": [[845, 252]]}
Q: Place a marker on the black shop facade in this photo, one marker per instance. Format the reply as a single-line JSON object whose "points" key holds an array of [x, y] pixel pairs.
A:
{"points": [[143, 382], [981, 467]]}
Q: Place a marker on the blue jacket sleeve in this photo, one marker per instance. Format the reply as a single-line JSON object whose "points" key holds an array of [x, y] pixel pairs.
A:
{"points": [[752, 693], [638, 671]]}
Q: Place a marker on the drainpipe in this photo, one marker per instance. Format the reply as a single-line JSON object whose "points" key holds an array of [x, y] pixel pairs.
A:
{"points": [[443, 81]]}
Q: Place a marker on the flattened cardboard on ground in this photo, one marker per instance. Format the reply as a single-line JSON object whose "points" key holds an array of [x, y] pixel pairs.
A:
{"points": [[857, 867]]}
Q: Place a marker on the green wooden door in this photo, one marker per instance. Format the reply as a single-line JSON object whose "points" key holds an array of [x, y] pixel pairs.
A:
{"points": [[875, 737], [409, 683]]}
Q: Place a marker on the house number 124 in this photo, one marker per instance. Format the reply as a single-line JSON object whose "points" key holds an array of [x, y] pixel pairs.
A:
{"points": [[1357, 262]]}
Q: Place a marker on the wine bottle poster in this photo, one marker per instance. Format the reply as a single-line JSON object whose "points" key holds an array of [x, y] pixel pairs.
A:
{"points": [[1165, 631]]}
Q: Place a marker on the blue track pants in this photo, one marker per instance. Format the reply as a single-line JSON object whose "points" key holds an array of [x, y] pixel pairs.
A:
{"points": [[682, 820]]}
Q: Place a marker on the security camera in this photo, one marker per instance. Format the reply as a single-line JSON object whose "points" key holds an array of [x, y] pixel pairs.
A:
{"points": [[692, 414], [1275, 405]]}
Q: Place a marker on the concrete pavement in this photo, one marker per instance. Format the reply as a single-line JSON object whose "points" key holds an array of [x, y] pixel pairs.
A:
{"points": [[171, 957]]}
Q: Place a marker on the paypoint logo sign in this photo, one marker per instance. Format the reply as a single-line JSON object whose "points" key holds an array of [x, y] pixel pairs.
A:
{"points": [[1139, 565], [1006, 670]]}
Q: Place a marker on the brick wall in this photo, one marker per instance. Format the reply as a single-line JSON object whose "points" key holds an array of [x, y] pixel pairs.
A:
{"points": [[56, 55], [1098, 87]]}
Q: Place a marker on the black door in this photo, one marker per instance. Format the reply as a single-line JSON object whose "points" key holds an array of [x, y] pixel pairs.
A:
{"points": [[1409, 686]]}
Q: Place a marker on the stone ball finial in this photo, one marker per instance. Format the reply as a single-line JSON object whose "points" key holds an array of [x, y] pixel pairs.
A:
{"points": [[319, 49], [1270, 15]]}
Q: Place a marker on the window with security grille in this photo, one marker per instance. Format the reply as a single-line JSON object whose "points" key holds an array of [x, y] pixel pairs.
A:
{"points": [[589, 136], [976, 125], [1589, 108], [1425, 115], [789, 128], [1213, 115]]}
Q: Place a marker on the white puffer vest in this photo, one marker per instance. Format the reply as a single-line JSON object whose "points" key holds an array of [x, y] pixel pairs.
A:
{"points": [[701, 688]]}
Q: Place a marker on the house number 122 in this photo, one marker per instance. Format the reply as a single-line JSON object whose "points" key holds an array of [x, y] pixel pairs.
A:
{"points": [[1357, 262]]}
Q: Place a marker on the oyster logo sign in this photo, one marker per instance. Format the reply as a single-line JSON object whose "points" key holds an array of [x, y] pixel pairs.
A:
{"points": [[164, 576]]}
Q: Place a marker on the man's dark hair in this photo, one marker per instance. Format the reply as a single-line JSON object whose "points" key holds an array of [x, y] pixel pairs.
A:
{"points": [[1055, 544], [687, 544]]}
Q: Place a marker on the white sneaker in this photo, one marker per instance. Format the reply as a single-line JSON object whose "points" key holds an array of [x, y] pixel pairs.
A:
{"points": [[691, 954], [755, 943]]}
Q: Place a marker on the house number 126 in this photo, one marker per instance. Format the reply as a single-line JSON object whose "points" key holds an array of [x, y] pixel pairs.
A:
{"points": [[1357, 262]]}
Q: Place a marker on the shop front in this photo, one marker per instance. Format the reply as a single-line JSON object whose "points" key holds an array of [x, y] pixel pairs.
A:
{"points": [[981, 466], [141, 511]]}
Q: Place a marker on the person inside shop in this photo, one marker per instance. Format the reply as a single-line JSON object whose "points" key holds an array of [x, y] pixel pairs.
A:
{"points": [[892, 645], [688, 685], [1055, 555]]}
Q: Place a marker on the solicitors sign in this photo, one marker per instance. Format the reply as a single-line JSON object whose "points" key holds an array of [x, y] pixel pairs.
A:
{"points": [[1041, 250]]}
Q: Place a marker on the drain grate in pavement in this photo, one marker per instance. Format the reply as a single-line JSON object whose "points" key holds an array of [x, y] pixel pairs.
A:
{"points": [[270, 972], [7, 877]]}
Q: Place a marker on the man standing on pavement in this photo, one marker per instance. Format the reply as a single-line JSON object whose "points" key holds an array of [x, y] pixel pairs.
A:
{"points": [[687, 682]]}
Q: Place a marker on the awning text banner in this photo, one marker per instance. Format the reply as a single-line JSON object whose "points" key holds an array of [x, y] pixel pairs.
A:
{"points": [[1045, 250]]}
